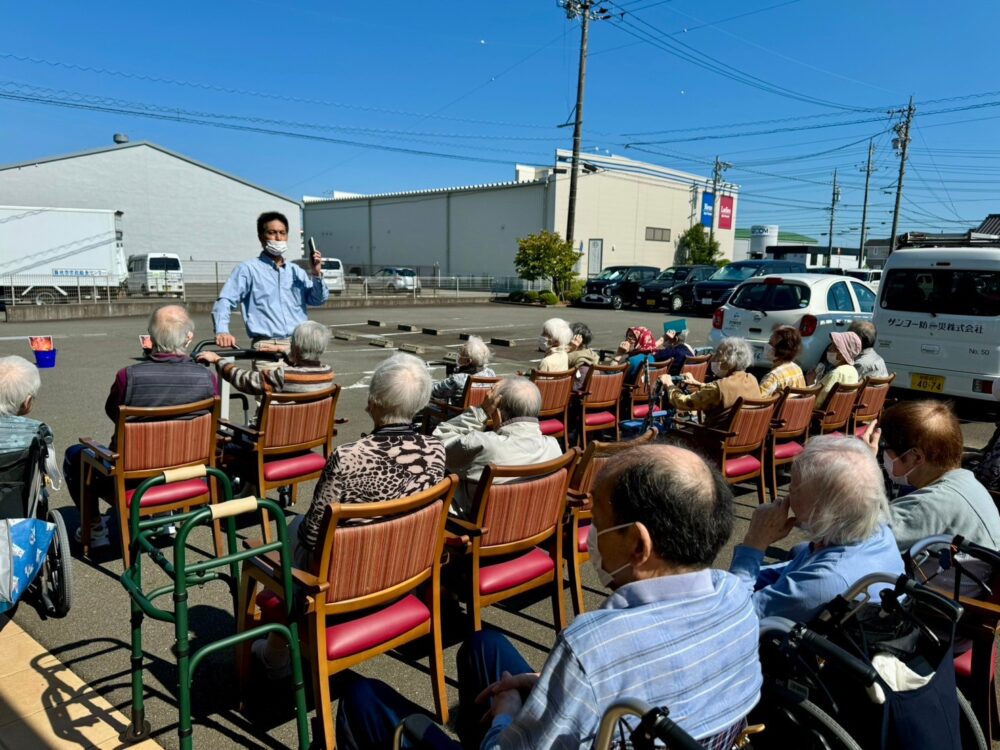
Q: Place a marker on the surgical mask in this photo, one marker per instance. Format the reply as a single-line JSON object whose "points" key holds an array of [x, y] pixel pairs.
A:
{"points": [[716, 369], [889, 463], [606, 578], [831, 358], [543, 344], [276, 247], [769, 352]]}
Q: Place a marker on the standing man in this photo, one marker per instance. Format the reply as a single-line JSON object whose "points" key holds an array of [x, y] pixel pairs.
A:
{"points": [[272, 294]]}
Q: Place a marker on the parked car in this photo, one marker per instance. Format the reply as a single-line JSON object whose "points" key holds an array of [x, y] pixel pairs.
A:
{"points": [[617, 286], [333, 272], [871, 276], [816, 305], [393, 279], [671, 290], [714, 292]]}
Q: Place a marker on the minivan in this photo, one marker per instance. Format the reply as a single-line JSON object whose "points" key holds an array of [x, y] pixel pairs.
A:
{"points": [[333, 272], [714, 292], [617, 286], [155, 273]]}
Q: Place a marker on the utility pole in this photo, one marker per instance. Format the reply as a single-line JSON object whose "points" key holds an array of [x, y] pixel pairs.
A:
{"points": [[864, 208], [834, 199], [716, 179], [585, 10], [902, 142]]}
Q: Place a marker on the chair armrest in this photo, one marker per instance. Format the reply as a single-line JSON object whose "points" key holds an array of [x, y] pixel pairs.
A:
{"points": [[99, 450], [577, 499], [270, 564], [248, 431], [341, 420], [776, 423], [459, 532], [821, 413]]}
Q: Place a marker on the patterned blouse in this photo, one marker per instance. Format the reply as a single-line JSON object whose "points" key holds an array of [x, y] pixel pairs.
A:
{"points": [[785, 375], [392, 462]]}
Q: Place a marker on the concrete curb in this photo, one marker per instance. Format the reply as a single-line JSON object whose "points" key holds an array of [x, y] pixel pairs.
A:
{"points": [[377, 323], [384, 343], [345, 336], [408, 327], [411, 348]]}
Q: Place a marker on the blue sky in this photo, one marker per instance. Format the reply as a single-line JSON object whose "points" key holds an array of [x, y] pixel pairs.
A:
{"points": [[485, 85]]}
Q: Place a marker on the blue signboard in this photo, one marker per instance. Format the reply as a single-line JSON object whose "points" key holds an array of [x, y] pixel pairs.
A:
{"points": [[707, 209]]}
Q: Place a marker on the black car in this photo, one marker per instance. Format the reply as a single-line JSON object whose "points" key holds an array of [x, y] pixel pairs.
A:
{"points": [[713, 293], [617, 286], [672, 289]]}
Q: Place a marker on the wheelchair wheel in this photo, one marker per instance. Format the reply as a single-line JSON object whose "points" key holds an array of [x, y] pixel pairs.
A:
{"points": [[972, 733], [56, 576], [791, 720]]}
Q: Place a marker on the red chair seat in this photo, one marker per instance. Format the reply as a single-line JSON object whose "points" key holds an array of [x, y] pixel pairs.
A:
{"points": [[860, 431], [788, 450], [357, 635], [639, 411], [551, 426], [521, 569], [738, 467], [582, 538], [599, 418], [165, 494], [290, 468], [963, 664]]}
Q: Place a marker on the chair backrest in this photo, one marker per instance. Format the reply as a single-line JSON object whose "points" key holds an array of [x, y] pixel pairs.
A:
{"points": [[795, 409], [293, 422], [839, 404], [382, 549], [477, 388], [640, 393], [556, 389], [150, 439], [697, 366], [520, 506], [596, 457], [871, 398], [750, 423], [604, 385]]}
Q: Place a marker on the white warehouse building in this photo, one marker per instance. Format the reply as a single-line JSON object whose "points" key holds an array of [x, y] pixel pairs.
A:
{"points": [[169, 203], [628, 212]]}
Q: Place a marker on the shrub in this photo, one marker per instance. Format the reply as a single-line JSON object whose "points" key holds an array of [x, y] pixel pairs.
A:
{"points": [[548, 298], [530, 297], [575, 292]]}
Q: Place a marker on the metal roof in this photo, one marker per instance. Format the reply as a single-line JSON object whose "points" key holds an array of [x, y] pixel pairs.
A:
{"points": [[148, 144], [430, 191], [791, 237], [990, 225]]}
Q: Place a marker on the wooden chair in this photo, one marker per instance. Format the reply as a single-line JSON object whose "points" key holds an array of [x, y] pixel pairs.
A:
{"points": [[556, 389], [148, 441], [636, 395], [835, 414], [516, 510], [697, 366], [363, 600], [477, 388], [281, 450], [789, 430], [599, 399], [738, 444], [578, 518], [870, 403]]}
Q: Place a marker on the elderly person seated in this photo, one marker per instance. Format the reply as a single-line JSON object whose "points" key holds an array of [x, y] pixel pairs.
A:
{"points": [[473, 359], [504, 431], [782, 349], [300, 372], [636, 350], [922, 448], [839, 366], [580, 355], [554, 341], [19, 384], [869, 363], [838, 500], [729, 363], [673, 345]]}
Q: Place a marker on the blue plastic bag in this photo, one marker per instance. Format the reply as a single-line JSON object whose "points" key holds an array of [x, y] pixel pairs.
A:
{"points": [[24, 544]]}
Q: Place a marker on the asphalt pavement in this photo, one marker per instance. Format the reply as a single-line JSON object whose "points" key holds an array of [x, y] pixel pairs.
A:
{"points": [[93, 640]]}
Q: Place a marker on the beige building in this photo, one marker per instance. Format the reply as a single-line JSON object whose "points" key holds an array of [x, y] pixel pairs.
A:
{"points": [[628, 212]]}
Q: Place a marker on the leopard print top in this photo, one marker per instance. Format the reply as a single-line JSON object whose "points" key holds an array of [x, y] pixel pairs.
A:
{"points": [[392, 462]]}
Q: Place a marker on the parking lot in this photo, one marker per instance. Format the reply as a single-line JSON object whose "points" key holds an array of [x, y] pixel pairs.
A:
{"points": [[93, 639]]}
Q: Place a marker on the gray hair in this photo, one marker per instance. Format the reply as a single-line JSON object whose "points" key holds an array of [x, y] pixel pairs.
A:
{"points": [[477, 351], [558, 330], [844, 482], [682, 336], [170, 328], [400, 387], [865, 331], [734, 354], [19, 381], [309, 339], [518, 397]]}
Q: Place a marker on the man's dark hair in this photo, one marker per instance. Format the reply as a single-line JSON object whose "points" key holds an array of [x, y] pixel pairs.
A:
{"points": [[688, 519], [267, 217], [583, 331]]}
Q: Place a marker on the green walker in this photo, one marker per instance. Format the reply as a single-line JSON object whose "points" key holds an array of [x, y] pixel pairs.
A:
{"points": [[197, 574]]}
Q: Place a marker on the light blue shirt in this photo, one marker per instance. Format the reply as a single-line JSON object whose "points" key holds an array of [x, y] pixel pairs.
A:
{"points": [[688, 642], [798, 588], [273, 300]]}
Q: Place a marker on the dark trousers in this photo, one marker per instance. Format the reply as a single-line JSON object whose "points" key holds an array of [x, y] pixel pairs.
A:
{"points": [[72, 460], [369, 710]]}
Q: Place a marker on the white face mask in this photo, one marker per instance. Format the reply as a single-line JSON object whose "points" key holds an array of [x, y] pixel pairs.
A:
{"points": [[607, 579], [832, 358], [889, 463], [543, 344], [276, 247], [716, 369]]}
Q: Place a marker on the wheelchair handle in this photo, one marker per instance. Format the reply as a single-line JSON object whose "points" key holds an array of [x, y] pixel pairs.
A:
{"points": [[655, 724], [799, 635], [235, 353]]}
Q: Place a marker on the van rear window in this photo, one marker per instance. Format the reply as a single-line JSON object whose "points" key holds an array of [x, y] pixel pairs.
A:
{"points": [[768, 297], [164, 264], [942, 291], [331, 265]]}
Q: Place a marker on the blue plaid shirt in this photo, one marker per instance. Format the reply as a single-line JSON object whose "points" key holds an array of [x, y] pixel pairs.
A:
{"points": [[687, 642]]}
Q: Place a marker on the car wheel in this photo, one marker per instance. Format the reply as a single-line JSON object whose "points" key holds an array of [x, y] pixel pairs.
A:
{"points": [[43, 297], [676, 303], [616, 302]]}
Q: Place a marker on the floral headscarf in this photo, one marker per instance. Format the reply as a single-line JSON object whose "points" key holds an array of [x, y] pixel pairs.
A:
{"points": [[645, 343]]}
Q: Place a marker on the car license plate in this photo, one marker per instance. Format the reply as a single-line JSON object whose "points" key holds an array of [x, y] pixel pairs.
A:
{"points": [[706, 300], [651, 303], [932, 383]]}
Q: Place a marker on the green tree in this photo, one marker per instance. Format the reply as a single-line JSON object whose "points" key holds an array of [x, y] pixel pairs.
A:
{"points": [[546, 255], [696, 247]]}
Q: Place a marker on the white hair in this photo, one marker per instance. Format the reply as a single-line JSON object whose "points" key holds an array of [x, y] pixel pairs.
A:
{"points": [[309, 339], [734, 354], [557, 330], [844, 484], [400, 387], [518, 397], [477, 352], [19, 381], [170, 328]]}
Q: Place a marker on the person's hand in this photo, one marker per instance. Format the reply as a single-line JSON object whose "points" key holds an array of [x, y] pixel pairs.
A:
{"points": [[225, 339], [576, 342], [208, 357], [506, 695], [689, 378], [317, 263], [872, 436], [768, 524], [624, 347]]}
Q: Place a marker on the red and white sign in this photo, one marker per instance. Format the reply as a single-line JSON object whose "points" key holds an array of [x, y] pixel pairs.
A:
{"points": [[726, 212]]}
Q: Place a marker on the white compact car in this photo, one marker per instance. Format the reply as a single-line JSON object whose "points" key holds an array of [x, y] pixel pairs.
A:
{"points": [[816, 304], [333, 272], [393, 279]]}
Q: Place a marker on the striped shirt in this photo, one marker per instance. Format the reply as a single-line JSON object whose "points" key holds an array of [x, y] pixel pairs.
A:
{"points": [[785, 375], [285, 378], [688, 642]]}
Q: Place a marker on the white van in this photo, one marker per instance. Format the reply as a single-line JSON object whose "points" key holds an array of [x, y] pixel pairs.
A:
{"points": [[155, 274], [333, 273], [871, 276], [938, 319]]}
